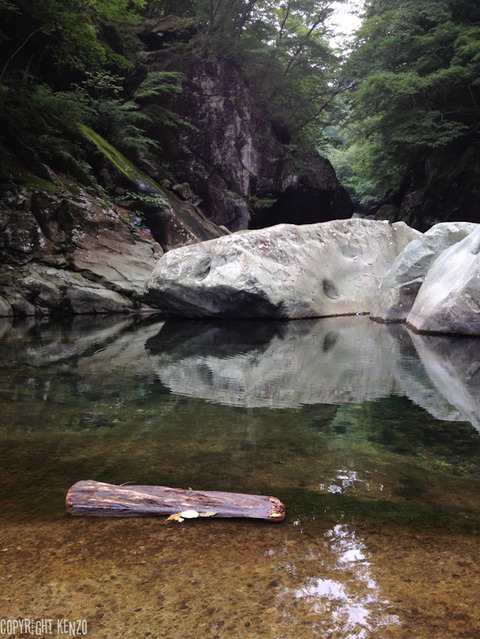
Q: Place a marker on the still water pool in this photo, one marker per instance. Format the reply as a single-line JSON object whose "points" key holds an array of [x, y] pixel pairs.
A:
{"points": [[369, 434]]}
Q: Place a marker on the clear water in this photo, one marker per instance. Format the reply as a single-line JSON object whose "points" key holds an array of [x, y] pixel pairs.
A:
{"points": [[369, 434]]}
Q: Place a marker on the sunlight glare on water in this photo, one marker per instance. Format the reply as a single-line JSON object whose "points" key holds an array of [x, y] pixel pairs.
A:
{"points": [[352, 601]]}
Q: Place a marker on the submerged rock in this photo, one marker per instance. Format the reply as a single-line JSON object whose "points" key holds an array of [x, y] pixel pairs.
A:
{"points": [[399, 288], [449, 299], [284, 271]]}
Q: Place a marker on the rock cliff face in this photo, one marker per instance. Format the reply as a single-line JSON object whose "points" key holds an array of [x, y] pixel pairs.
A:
{"points": [[68, 247], [238, 162], [234, 160], [443, 187], [69, 253], [69, 250]]}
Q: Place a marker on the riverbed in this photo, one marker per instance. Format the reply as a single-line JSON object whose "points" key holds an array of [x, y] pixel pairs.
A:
{"points": [[368, 433]]}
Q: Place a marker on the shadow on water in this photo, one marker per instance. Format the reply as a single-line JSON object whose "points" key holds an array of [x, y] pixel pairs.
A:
{"points": [[369, 435]]}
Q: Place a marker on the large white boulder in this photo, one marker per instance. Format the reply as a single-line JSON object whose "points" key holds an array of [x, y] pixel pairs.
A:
{"points": [[284, 271], [449, 299], [399, 288]]}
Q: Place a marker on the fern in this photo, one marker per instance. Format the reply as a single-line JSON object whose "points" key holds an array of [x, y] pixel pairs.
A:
{"points": [[158, 83]]}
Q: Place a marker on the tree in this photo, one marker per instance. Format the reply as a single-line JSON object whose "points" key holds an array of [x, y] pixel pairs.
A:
{"points": [[282, 48], [285, 53], [65, 63], [68, 61], [415, 70], [226, 17]]}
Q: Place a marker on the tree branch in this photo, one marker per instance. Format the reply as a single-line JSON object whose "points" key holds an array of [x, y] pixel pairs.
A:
{"points": [[16, 52]]}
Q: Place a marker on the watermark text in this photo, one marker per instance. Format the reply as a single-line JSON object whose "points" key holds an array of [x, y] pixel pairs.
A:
{"points": [[44, 627]]}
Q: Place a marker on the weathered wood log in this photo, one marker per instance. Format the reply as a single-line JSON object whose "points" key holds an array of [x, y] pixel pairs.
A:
{"points": [[108, 500]]}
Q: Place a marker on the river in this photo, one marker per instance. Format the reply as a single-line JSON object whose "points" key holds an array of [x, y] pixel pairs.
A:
{"points": [[368, 433]]}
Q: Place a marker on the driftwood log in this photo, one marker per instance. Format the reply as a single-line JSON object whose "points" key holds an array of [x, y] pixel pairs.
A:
{"points": [[108, 500]]}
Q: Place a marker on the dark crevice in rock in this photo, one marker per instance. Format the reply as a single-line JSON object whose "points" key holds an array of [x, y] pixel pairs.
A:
{"points": [[303, 206]]}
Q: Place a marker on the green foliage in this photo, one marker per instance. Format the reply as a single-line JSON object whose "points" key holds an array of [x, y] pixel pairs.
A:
{"points": [[87, 51], [415, 71], [40, 124], [224, 18], [159, 84], [69, 33], [37, 123], [156, 200], [283, 50], [285, 53], [413, 76], [61, 68]]}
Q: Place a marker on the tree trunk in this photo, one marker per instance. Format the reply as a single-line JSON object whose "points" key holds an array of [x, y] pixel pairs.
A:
{"points": [[107, 500]]}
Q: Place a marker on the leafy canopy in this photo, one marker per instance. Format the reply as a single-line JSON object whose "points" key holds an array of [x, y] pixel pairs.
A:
{"points": [[415, 70], [67, 62], [283, 49], [409, 86]]}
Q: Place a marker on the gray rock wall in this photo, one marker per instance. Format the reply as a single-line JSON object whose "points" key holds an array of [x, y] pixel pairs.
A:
{"points": [[233, 159], [65, 253]]}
